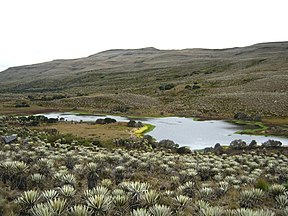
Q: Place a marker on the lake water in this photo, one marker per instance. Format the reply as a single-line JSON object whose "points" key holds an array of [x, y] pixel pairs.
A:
{"points": [[184, 131]]}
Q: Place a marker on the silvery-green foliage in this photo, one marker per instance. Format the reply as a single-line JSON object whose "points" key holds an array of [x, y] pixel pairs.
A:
{"points": [[281, 201], [251, 197], [188, 189], [67, 191], [37, 178], [28, 198], [6, 169], [99, 204], [19, 167], [79, 210], [41, 210], [120, 200], [140, 212], [218, 177], [135, 188], [211, 211], [160, 210], [206, 193], [79, 169], [99, 190], [168, 193], [106, 183], [118, 191], [276, 189], [68, 179], [49, 194], [199, 205], [284, 212], [181, 201], [150, 197], [58, 206], [120, 169], [223, 187], [250, 212]]}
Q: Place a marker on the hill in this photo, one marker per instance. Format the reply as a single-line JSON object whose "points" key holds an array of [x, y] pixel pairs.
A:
{"points": [[206, 82]]}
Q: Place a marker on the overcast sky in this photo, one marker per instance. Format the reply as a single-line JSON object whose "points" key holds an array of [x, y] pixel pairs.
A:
{"points": [[34, 31]]}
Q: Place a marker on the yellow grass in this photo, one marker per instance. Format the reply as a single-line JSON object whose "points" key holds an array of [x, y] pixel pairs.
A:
{"points": [[276, 120], [141, 130], [103, 132]]}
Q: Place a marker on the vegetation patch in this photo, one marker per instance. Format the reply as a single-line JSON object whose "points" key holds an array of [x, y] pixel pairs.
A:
{"points": [[105, 132], [257, 128], [145, 129]]}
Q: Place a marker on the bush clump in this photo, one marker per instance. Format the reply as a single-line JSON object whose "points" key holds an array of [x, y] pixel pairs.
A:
{"points": [[166, 86], [105, 121], [238, 144], [22, 104], [272, 143]]}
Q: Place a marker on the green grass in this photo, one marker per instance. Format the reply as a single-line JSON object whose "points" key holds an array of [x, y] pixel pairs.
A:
{"points": [[143, 130], [261, 128]]}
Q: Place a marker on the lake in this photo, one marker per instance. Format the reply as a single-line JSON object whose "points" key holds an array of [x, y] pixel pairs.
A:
{"points": [[184, 131]]}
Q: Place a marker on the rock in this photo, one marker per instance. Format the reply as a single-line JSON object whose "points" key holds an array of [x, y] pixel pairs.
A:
{"points": [[148, 138], [217, 146], [105, 121], [52, 120], [238, 144], [253, 144], [131, 123], [9, 139], [139, 124], [208, 149], [169, 144], [100, 121], [109, 120], [184, 150], [272, 143]]}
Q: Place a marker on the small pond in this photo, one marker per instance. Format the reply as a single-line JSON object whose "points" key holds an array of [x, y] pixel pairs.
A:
{"points": [[184, 131]]}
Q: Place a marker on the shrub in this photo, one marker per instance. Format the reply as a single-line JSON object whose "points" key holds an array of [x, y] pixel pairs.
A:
{"points": [[166, 86], [184, 150], [140, 212], [79, 210], [281, 201], [105, 121], [276, 190], [250, 198], [262, 184], [238, 144], [22, 104], [160, 210], [271, 143], [99, 204], [28, 199], [250, 212]]}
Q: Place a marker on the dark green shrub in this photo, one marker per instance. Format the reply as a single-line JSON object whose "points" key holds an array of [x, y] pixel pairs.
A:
{"points": [[52, 120], [22, 104], [262, 184], [166, 86]]}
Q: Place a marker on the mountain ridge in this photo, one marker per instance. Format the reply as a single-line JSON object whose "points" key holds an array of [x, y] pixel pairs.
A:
{"points": [[204, 81]]}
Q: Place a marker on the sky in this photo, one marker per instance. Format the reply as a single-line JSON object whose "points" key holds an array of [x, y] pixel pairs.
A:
{"points": [[34, 31]]}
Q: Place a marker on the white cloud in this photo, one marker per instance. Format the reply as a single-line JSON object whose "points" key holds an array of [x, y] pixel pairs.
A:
{"points": [[34, 31]]}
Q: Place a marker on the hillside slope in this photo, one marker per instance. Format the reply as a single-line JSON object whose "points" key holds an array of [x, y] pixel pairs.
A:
{"points": [[208, 82]]}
